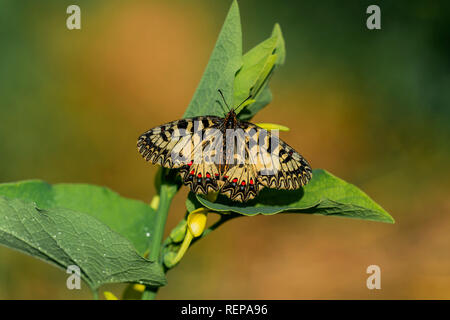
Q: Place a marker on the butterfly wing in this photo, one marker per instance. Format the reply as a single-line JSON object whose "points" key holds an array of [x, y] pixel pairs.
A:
{"points": [[188, 145], [286, 168], [280, 167], [240, 179], [168, 144], [175, 145], [241, 183], [202, 172]]}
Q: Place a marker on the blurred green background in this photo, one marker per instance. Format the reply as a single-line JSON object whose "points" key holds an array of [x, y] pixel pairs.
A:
{"points": [[372, 107]]}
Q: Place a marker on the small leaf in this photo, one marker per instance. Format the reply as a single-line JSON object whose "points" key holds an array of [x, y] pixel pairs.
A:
{"points": [[325, 194], [177, 234], [272, 126], [192, 202], [132, 219], [258, 65], [225, 61], [65, 237]]}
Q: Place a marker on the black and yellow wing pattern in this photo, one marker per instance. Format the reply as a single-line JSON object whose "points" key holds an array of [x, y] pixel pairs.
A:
{"points": [[238, 170]]}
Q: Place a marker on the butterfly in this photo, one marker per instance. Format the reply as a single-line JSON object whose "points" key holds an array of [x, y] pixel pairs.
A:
{"points": [[214, 154]]}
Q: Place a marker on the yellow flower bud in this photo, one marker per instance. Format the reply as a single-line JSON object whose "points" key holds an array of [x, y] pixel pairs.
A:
{"points": [[110, 296], [155, 202], [139, 287], [197, 222]]}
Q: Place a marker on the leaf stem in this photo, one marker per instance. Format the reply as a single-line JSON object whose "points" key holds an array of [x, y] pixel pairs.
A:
{"points": [[223, 218]]}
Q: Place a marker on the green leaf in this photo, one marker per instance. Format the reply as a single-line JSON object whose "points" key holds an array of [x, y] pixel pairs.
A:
{"points": [[130, 218], [192, 202], [65, 237], [258, 65], [236, 75], [325, 194], [225, 61]]}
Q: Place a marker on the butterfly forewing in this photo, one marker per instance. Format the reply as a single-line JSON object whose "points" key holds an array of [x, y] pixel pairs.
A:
{"points": [[172, 145]]}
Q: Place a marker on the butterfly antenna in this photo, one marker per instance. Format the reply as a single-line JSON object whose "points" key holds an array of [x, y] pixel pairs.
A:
{"points": [[220, 91], [241, 105], [244, 101]]}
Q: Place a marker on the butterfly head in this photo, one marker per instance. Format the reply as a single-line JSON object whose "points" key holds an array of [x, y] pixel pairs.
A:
{"points": [[231, 120]]}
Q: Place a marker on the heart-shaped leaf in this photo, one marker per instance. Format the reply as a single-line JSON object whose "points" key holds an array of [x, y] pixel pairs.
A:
{"points": [[325, 194], [65, 237], [130, 218]]}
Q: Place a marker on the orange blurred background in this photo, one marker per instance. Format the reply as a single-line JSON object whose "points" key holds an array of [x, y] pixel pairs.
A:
{"points": [[372, 107]]}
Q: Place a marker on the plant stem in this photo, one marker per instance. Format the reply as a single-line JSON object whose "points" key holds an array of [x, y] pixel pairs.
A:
{"points": [[150, 293], [160, 222], [167, 192]]}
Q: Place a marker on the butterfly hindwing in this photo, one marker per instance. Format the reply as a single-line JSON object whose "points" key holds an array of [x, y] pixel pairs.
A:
{"points": [[241, 182], [200, 178]]}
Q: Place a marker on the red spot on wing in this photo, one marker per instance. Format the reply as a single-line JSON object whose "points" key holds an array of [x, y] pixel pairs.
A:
{"points": [[235, 180], [243, 183], [192, 172], [208, 175], [251, 181], [199, 175]]}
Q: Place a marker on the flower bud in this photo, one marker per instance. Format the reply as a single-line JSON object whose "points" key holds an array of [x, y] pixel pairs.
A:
{"points": [[197, 222]]}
